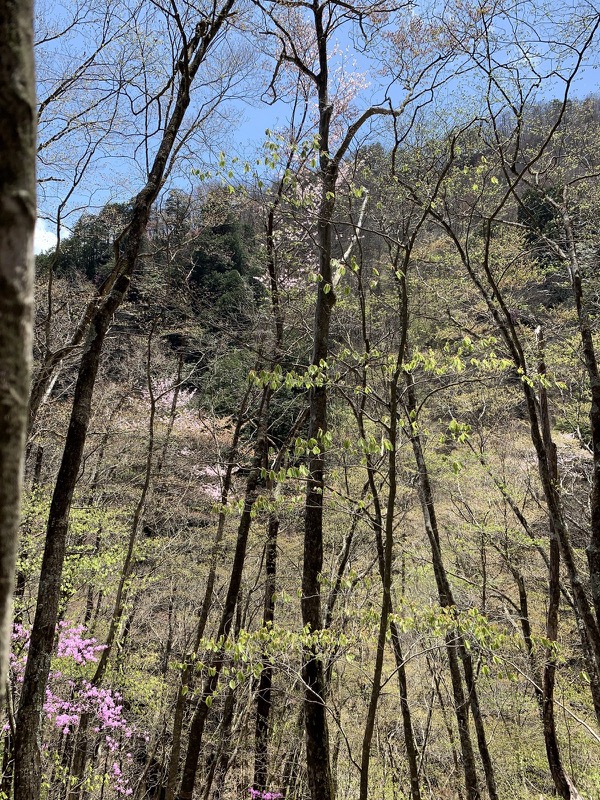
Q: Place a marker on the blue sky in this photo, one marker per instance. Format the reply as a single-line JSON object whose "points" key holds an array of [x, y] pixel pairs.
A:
{"points": [[243, 133]]}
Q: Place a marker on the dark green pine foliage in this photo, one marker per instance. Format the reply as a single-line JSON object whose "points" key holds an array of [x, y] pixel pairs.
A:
{"points": [[89, 250], [541, 218], [223, 273]]}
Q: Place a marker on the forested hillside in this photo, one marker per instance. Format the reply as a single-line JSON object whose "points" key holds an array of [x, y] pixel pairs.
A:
{"points": [[311, 505]]}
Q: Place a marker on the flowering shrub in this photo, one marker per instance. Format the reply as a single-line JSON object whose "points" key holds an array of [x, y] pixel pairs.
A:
{"points": [[256, 794], [70, 695], [101, 704], [71, 644], [164, 393]]}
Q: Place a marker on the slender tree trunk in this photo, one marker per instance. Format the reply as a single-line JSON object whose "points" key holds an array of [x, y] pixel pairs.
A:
{"points": [[581, 627], [81, 748], [552, 750], [409, 735], [225, 752], [561, 781], [8, 761], [492, 295], [496, 304], [17, 221], [378, 522], [172, 416], [263, 694], [291, 762], [263, 697], [27, 744], [449, 729], [204, 610], [385, 558], [216, 662], [461, 702], [140, 507], [37, 469], [220, 759], [527, 637], [591, 365], [484, 752]]}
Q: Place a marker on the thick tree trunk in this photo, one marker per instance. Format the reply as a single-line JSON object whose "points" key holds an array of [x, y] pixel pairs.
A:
{"points": [[315, 715], [17, 222]]}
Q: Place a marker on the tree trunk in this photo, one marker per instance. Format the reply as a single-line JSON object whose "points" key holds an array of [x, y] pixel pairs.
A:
{"points": [[559, 776], [225, 752], [204, 610], [315, 715], [583, 631], [385, 553], [27, 744], [591, 365], [453, 639], [216, 662], [496, 304], [263, 693], [17, 222]]}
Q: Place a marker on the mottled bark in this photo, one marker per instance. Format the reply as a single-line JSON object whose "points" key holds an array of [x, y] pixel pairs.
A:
{"points": [[17, 222]]}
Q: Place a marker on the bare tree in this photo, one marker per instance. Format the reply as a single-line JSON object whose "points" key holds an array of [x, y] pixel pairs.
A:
{"points": [[305, 38], [195, 35]]}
